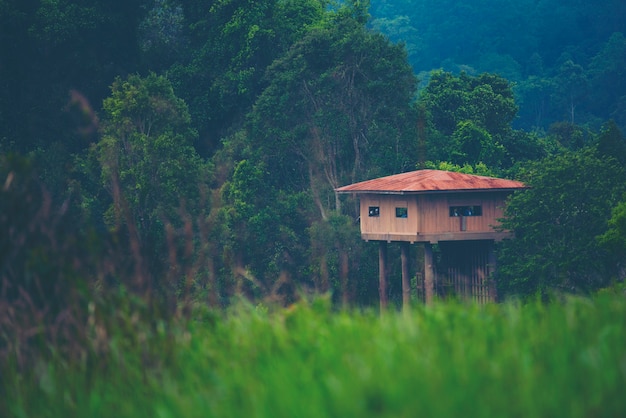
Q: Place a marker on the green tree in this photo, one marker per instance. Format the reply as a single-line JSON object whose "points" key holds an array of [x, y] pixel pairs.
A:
{"points": [[477, 145], [161, 34], [572, 88], [230, 45], [337, 107], [614, 239], [607, 75], [267, 242], [148, 167], [336, 110], [556, 222], [470, 121], [568, 135], [400, 30], [479, 169], [612, 143]]}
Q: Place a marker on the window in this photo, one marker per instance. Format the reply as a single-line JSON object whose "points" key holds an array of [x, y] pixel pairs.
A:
{"points": [[466, 211], [401, 212], [374, 211]]}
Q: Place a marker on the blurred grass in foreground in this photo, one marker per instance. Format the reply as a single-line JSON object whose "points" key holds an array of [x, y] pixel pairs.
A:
{"points": [[563, 359]]}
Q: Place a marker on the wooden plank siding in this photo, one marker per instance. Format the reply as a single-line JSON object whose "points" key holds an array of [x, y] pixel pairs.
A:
{"points": [[428, 217]]}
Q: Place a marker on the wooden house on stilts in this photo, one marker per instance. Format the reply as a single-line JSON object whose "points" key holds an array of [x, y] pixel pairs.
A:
{"points": [[457, 211]]}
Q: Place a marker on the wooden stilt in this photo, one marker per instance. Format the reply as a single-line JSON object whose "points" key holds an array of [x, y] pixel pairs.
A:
{"points": [[491, 260], [429, 274], [406, 283], [382, 275]]}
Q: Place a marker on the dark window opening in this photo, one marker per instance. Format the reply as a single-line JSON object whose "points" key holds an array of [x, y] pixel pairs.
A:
{"points": [[402, 212], [466, 211], [374, 211]]}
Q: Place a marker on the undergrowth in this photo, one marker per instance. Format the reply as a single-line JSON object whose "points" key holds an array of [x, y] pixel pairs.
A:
{"points": [[451, 359]]}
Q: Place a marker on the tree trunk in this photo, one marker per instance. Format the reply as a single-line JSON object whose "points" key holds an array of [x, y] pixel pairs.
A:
{"points": [[382, 275], [429, 274]]}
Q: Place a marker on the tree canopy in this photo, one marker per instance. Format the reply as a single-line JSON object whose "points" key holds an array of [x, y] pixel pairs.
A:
{"points": [[556, 224], [337, 108], [565, 58], [146, 163], [217, 131], [470, 120]]}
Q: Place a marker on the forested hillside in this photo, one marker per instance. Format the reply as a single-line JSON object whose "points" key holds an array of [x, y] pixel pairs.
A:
{"points": [[186, 150], [565, 58]]}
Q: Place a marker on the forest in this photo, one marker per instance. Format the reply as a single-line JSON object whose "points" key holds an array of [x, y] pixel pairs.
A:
{"points": [[157, 156]]}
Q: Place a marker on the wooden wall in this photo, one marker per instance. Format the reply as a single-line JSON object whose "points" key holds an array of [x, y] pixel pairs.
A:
{"points": [[428, 217]]}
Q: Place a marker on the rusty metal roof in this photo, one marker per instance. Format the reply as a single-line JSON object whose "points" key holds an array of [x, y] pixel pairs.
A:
{"points": [[430, 181]]}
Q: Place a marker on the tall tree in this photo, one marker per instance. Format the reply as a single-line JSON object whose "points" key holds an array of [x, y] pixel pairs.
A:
{"points": [[556, 223], [572, 87], [337, 108], [612, 143], [161, 34], [148, 166], [470, 121], [614, 239], [607, 75], [230, 44]]}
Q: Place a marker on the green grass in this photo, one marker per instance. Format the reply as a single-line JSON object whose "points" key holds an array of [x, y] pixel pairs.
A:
{"points": [[557, 360]]}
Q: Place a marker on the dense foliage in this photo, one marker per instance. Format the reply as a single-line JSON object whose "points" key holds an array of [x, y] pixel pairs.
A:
{"points": [[471, 121], [555, 245], [168, 208], [147, 165], [174, 151], [566, 58]]}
